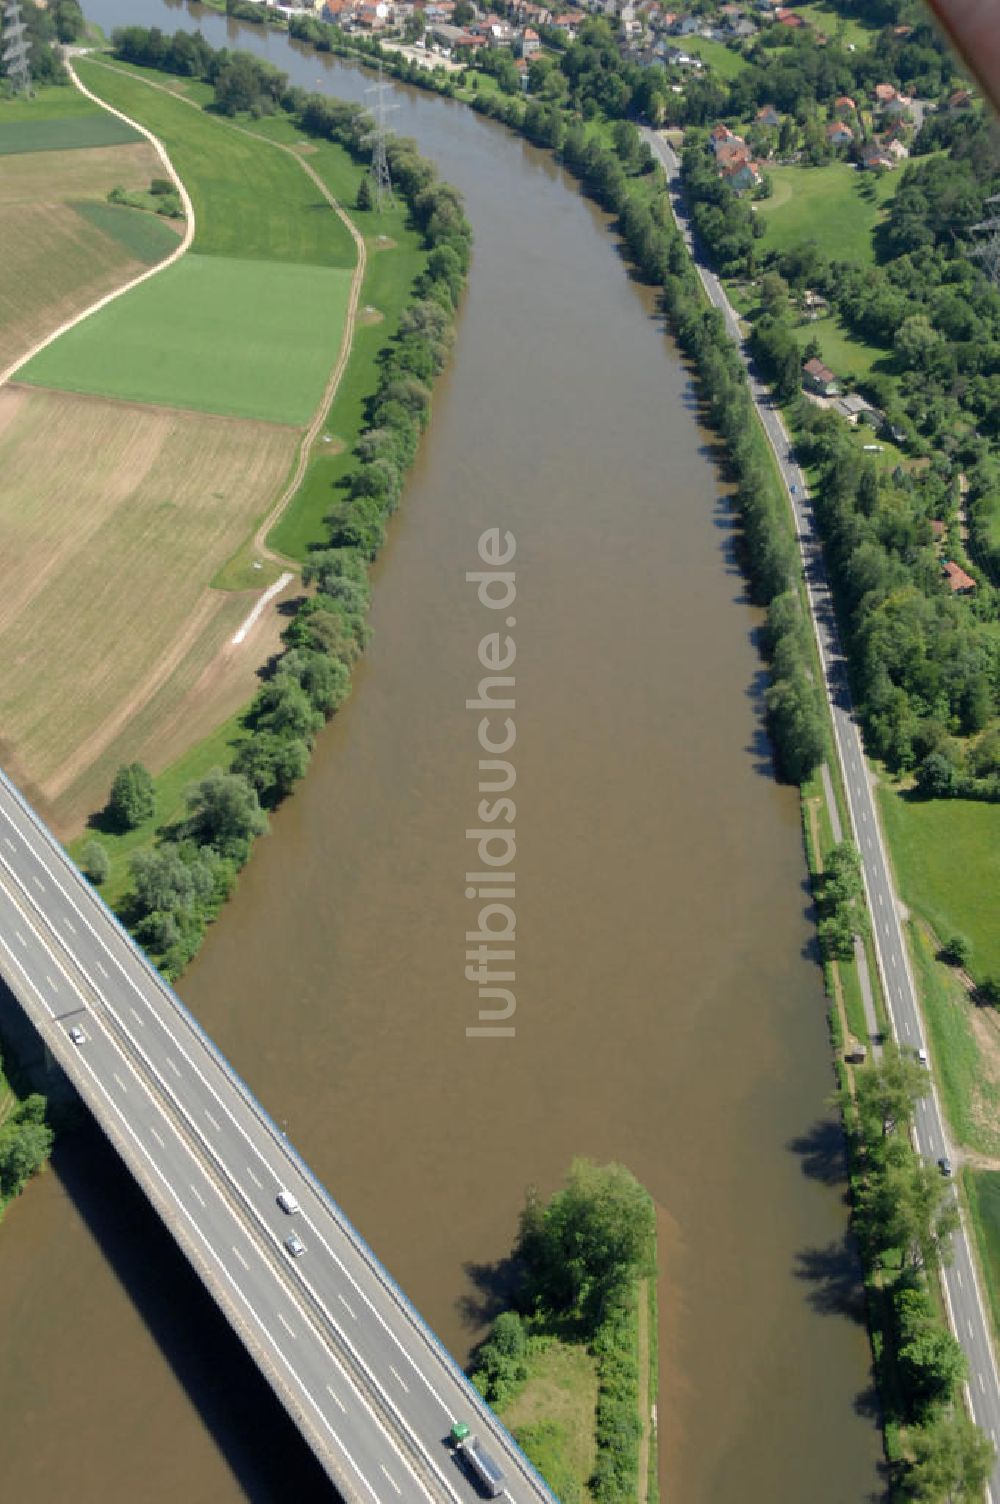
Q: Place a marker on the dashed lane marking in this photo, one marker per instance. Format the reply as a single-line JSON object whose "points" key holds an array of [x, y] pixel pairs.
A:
{"points": [[399, 1377], [214, 1121], [336, 1399], [285, 1324], [258, 1183], [173, 1065], [197, 1196], [118, 1078], [241, 1258], [347, 1308], [158, 1138], [391, 1479]]}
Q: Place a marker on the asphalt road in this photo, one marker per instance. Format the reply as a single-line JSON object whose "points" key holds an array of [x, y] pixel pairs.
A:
{"points": [[961, 1284], [368, 1384]]}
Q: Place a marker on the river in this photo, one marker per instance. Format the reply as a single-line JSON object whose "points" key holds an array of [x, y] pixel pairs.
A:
{"points": [[670, 1011]]}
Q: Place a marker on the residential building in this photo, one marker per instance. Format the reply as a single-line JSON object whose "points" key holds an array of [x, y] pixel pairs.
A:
{"points": [[818, 378], [767, 115], [839, 134], [959, 582]]}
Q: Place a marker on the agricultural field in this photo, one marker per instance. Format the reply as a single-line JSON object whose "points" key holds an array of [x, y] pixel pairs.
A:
{"points": [[56, 260], [836, 206], [104, 574], [244, 338], [251, 201]]}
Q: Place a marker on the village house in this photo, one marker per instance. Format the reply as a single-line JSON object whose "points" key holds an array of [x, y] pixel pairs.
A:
{"points": [[844, 105], [896, 107], [788, 18], [876, 158], [959, 582], [839, 134], [814, 305], [529, 43], [856, 410], [897, 150], [938, 529], [767, 115], [883, 93], [741, 174], [818, 378], [742, 29], [960, 100], [676, 57]]}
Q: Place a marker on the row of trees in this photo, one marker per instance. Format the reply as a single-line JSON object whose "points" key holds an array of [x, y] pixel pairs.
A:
{"points": [[905, 1214], [179, 886], [580, 1259]]}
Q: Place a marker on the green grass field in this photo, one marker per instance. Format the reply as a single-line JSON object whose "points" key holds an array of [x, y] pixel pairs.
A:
{"points": [[946, 854], [845, 354], [388, 278], [720, 58], [836, 205], [147, 237], [50, 102], [982, 1189], [247, 339], [77, 132], [827, 18], [251, 200]]}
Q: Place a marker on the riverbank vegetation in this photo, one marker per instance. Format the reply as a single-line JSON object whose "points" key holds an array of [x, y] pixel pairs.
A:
{"points": [[25, 1138], [585, 1266], [178, 884]]}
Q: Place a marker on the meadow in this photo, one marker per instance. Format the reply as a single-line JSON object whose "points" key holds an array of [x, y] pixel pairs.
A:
{"points": [[835, 205], [251, 201], [946, 855], [247, 339], [104, 575]]}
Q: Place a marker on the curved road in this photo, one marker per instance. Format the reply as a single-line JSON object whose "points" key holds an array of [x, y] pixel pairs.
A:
{"points": [[960, 1281], [368, 1384]]}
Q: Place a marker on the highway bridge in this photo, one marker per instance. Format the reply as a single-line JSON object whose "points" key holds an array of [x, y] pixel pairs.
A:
{"points": [[368, 1384]]}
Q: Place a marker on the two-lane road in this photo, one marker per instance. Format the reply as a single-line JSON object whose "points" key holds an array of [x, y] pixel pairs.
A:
{"points": [[961, 1285], [370, 1387]]}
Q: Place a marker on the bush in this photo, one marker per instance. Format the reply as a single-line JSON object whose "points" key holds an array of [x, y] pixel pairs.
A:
{"points": [[94, 863], [133, 797], [957, 951]]}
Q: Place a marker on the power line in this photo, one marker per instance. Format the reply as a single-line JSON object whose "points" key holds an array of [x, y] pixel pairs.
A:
{"points": [[381, 180], [15, 48], [987, 250]]}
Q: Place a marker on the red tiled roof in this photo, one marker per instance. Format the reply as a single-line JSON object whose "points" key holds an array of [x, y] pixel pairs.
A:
{"points": [[956, 577]]}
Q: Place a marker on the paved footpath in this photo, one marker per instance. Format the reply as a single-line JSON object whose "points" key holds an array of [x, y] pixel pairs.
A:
{"points": [[960, 1281]]}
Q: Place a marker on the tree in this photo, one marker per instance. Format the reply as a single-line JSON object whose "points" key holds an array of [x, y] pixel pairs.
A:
{"points": [[951, 1460], [94, 863], [463, 13], [132, 798], [957, 951], [916, 342], [364, 199], [591, 1238], [224, 813], [24, 1148]]}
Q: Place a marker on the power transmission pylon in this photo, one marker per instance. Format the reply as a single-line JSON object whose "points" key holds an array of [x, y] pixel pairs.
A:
{"points": [[381, 180], [987, 250], [15, 48]]}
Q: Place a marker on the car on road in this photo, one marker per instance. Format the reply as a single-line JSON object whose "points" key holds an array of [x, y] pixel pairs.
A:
{"points": [[922, 1056], [944, 1165], [76, 1034], [295, 1245], [793, 490], [287, 1202]]}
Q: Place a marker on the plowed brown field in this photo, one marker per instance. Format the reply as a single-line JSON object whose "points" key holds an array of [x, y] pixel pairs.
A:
{"points": [[113, 520]]}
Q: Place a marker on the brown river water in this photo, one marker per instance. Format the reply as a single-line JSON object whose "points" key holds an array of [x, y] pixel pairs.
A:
{"points": [[669, 1011]]}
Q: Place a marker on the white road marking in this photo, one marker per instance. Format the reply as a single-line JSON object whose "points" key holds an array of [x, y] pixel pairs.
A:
{"points": [[958, 1276], [241, 1258], [197, 1195], [285, 1324], [335, 1398], [347, 1308], [158, 1138], [258, 1183], [21, 937], [399, 1377], [9, 843], [173, 1065], [136, 1017], [101, 969], [118, 1078], [52, 984], [214, 1121], [982, 1383], [70, 926], [38, 882], [391, 1479]]}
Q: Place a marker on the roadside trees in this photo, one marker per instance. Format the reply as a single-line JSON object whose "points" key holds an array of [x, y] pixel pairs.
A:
{"points": [[132, 798]]}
